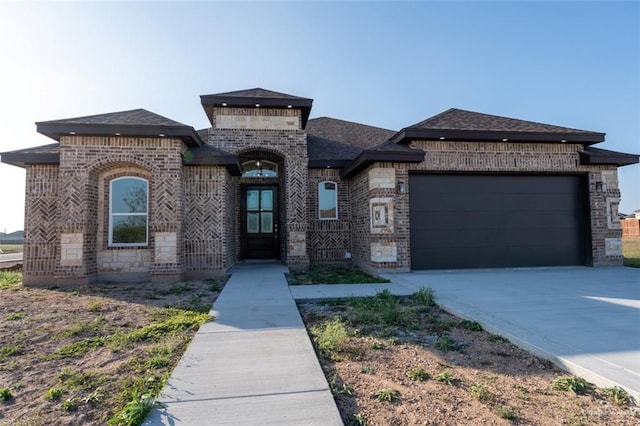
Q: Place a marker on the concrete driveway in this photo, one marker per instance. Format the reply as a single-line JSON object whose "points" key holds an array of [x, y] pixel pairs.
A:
{"points": [[586, 320]]}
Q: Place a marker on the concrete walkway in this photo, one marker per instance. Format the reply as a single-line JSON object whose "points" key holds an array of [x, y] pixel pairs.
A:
{"points": [[586, 320], [253, 365]]}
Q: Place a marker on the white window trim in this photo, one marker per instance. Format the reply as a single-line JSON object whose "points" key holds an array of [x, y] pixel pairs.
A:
{"points": [[111, 214], [335, 200]]}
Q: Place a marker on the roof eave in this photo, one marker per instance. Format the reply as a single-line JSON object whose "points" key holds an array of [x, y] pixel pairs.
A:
{"points": [[24, 160], [55, 130], [367, 157], [332, 164], [618, 159], [408, 134]]}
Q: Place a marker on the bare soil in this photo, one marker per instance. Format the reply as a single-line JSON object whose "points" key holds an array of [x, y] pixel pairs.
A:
{"points": [[492, 378], [35, 323]]}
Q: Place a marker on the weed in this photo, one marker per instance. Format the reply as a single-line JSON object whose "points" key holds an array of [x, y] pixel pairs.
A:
{"points": [[70, 404], [445, 376], [318, 274], [573, 384], [377, 344], [179, 289], [505, 412], [213, 285], [76, 349], [14, 316], [159, 356], [481, 393], [5, 394], [445, 343], [77, 380], [11, 350], [94, 397], [10, 280], [424, 296], [387, 394], [498, 338], [367, 369], [617, 395], [86, 328], [330, 336], [358, 420], [53, 394], [176, 320], [336, 389], [94, 306], [470, 325], [417, 373], [134, 412]]}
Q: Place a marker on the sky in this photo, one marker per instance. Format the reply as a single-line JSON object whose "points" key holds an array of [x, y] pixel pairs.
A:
{"points": [[388, 64]]}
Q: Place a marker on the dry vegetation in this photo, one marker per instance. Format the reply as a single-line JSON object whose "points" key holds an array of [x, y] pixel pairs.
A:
{"points": [[92, 356], [404, 361]]}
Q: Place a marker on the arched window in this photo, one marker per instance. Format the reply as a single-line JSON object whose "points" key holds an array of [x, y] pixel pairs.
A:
{"points": [[328, 200], [260, 168], [128, 212]]}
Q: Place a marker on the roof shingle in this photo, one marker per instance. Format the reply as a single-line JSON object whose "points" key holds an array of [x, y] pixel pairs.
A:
{"points": [[133, 117], [348, 132]]}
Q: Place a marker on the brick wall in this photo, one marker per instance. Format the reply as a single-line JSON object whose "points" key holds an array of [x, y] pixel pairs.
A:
{"points": [[451, 156], [41, 215], [87, 164], [328, 240], [287, 142], [630, 227]]}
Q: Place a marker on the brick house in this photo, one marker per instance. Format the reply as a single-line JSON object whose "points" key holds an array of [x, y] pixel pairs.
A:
{"points": [[136, 196]]}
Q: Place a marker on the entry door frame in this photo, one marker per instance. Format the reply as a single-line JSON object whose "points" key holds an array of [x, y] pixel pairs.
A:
{"points": [[260, 245]]}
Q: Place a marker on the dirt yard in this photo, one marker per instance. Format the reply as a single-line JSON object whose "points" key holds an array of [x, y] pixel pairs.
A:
{"points": [[91, 356], [393, 361]]}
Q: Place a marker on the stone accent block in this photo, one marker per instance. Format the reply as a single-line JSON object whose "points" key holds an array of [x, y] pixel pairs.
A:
{"points": [[71, 249], [382, 178], [297, 243], [613, 246], [384, 252], [257, 122], [166, 245]]}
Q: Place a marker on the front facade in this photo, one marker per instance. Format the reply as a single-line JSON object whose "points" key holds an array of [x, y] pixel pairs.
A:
{"points": [[134, 196]]}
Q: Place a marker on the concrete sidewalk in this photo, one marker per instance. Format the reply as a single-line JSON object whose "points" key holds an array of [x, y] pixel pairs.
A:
{"points": [[586, 320], [253, 365]]}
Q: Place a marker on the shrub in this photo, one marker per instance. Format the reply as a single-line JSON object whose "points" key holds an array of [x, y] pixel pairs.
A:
{"points": [[417, 373], [387, 394], [330, 336], [446, 343], [445, 376], [573, 384], [5, 394]]}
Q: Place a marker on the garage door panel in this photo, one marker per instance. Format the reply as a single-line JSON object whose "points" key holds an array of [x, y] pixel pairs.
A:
{"points": [[466, 221], [451, 220]]}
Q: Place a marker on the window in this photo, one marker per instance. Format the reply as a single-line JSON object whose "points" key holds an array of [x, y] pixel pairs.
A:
{"points": [[260, 168], [128, 212], [328, 200]]}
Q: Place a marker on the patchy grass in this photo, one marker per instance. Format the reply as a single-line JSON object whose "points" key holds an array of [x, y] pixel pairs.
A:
{"points": [[323, 274], [631, 251], [96, 355], [389, 360], [11, 248], [10, 280]]}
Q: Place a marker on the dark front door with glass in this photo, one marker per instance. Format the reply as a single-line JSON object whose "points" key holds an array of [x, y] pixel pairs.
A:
{"points": [[260, 222]]}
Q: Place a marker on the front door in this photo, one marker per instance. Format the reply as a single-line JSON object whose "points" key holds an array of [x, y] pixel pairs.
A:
{"points": [[260, 222]]}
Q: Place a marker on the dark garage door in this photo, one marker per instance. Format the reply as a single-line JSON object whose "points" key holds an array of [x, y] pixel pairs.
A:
{"points": [[483, 221]]}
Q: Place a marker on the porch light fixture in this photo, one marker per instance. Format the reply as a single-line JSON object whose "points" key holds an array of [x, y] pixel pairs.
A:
{"points": [[117, 134], [601, 187], [505, 140], [441, 138], [402, 188], [288, 106], [161, 135], [257, 105], [563, 140], [224, 104], [72, 133]]}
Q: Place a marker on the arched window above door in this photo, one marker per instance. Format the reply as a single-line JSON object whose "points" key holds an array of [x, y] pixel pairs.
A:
{"points": [[260, 168]]}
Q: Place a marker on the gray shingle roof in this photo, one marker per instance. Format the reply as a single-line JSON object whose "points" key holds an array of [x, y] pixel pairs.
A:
{"points": [[458, 119], [256, 93], [133, 117], [347, 132]]}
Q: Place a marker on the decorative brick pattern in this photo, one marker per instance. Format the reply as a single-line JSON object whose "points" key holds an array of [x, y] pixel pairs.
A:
{"points": [[290, 147], [41, 215], [328, 240]]}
